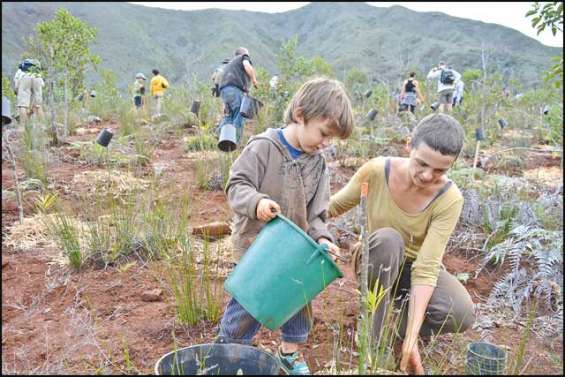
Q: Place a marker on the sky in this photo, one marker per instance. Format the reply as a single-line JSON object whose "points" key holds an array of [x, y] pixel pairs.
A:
{"points": [[510, 14]]}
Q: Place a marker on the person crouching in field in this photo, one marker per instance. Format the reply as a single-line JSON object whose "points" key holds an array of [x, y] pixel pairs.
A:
{"points": [[412, 209]]}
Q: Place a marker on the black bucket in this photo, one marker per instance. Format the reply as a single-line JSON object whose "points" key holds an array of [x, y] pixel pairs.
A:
{"points": [[434, 106], [502, 123], [372, 114], [249, 107], [195, 107], [479, 134], [218, 359], [228, 138], [6, 113], [104, 137], [485, 359]]}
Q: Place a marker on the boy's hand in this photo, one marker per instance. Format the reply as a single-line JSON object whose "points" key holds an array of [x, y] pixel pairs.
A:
{"points": [[333, 249], [267, 209]]}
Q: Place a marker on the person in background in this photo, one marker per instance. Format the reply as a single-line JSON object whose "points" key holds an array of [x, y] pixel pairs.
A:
{"points": [[458, 94], [410, 93], [446, 81], [158, 85], [28, 85], [233, 85], [138, 91]]}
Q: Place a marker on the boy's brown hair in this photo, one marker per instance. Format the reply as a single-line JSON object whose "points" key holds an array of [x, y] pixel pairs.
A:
{"points": [[326, 99]]}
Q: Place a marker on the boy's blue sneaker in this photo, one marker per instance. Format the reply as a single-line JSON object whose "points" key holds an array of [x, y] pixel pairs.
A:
{"points": [[293, 364]]}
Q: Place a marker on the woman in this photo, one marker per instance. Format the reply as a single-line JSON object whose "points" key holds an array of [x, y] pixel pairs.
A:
{"points": [[410, 94], [412, 209]]}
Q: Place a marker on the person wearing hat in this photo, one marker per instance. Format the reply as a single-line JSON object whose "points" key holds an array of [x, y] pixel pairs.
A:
{"points": [[139, 91], [37, 85], [28, 86]]}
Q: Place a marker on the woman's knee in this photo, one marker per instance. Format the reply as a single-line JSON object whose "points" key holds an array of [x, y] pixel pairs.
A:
{"points": [[384, 244], [451, 305]]}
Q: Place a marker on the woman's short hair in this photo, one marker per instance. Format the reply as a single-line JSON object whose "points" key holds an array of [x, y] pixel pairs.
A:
{"points": [[440, 132]]}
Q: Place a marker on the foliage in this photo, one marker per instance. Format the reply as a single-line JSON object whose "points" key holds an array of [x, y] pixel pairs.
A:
{"points": [[354, 78], [543, 249], [63, 45], [108, 100], [549, 15], [201, 143], [7, 89], [182, 277]]}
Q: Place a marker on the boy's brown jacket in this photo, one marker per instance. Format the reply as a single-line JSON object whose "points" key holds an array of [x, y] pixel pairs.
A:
{"points": [[265, 169]]}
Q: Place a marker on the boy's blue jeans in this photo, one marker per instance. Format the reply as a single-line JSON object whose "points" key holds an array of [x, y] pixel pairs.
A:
{"points": [[231, 97], [238, 326]]}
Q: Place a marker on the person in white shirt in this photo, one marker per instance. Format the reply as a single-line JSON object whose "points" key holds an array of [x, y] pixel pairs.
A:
{"points": [[446, 80], [458, 94]]}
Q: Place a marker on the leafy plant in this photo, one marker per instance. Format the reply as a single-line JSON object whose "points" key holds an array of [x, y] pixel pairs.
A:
{"points": [[542, 249], [211, 292], [66, 235], [201, 143], [202, 177]]}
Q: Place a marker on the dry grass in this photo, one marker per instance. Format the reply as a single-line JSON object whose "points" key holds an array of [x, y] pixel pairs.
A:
{"points": [[119, 183]]}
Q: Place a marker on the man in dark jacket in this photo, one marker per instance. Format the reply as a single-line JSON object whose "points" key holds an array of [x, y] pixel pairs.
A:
{"points": [[234, 83]]}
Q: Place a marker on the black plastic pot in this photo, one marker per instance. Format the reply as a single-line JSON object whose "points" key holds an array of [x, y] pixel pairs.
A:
{"points": [[502, 123], [104, 137], [479, 134], [485, 359], [195, 107], [372, 114], [218, 359]]}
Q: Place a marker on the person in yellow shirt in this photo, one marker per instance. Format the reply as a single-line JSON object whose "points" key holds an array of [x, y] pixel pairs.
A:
{"points": [[158, 86], [412, 209]]}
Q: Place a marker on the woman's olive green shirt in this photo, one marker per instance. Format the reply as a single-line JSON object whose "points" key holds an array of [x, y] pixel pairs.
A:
{"points": [[425, 234]]}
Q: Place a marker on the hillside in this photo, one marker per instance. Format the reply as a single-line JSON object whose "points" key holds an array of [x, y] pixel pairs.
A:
{"points": [[383, 42]]}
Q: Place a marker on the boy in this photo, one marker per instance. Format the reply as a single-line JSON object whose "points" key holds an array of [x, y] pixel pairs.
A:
{"points": [[282, 170]]}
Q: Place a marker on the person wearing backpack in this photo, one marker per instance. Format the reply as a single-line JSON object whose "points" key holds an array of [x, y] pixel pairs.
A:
{"points": [[158, 86], [410, 94], [446, 81]]}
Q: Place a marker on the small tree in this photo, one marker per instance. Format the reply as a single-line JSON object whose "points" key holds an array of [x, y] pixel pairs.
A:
{"points": [[62, 45]]}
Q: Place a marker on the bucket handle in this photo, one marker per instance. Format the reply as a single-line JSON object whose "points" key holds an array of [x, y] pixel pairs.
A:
{"points": [[323, 248]]}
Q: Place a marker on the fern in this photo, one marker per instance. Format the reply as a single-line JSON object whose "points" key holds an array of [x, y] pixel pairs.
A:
{"points": [[531, 244]]}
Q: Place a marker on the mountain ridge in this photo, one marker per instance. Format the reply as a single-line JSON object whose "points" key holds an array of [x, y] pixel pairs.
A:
{"points": [[383, 42]]}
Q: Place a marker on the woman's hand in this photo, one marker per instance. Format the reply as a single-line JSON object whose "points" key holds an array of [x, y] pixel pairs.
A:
{"points": [[411, 361], [267, 209]]}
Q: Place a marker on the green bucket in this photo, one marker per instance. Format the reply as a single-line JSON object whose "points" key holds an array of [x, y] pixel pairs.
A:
{"points": [[281, 272]]}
